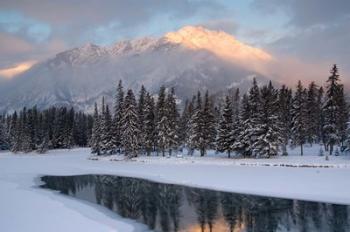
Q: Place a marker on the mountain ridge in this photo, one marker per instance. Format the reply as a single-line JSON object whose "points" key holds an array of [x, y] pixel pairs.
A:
{"points": [[80, 76]]}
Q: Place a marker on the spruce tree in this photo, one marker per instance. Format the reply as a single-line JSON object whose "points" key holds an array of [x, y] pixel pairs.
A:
{"points": [[149, 124], [224, 139], [195, 131], [173, 121], [312, 114], [269, 135], [95, 135], [141, 116], [208, 126], [250, 121], [161, 121], [333, 110], [284, 109], [118, 115], [299, 115], [130, 126]]}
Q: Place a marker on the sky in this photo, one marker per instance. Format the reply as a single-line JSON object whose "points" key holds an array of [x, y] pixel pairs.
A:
{"points": [[312, 34]]}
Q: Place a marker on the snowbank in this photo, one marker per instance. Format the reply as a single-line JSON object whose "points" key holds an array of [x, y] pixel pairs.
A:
{"points": [[24, 207]]}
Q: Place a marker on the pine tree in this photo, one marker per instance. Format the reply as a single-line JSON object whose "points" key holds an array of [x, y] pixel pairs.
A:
{"points": [[161, 121], [3, 136], [299, 115], [250, 121], [195, 131], [173, 117], [141, 116], [208, 127], [333, 110], [130, 126], [284, 109], [105, 130], [269, 134], [118, 115], [224, 139], [320, 117], [149, 124], [312, 114], [95, 135]]}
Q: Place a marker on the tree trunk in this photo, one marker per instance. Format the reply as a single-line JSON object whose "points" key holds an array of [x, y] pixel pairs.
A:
{"points": [[229, 154], [202, 152], [301, 150]]}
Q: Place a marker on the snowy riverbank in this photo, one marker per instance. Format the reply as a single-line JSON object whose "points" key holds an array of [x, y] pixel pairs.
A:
{"points": [[24, 207]]}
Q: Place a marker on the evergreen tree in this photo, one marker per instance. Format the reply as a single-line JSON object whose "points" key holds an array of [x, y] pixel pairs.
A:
{"points": [[312, 114], [284, 109], [3, 136], [161, 121], [95, 135], [105, 130], [270, 137], [208, 127], [299, 115], [320, 117], [173, 116], [130, 126], [141, 116], [333, 108], [224, 139], [195, 131], [250, 121], [149, 124], [118, 115]]}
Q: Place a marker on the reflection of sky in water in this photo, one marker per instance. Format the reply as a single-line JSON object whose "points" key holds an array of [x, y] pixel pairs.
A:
{"points": [[165, 207]]}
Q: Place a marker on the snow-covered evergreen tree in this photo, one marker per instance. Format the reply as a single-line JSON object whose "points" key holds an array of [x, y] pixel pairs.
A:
{"points": [[141, 115], [269, 135], [209, 125], [250, 122], [173, 117], [299, 115], [332, 110], [149, 124], [312, 114], [284, 109], [224, 139], [105, 130], [118, 115], [195, 128], [3, 134], [130, 126], [95, 140]]}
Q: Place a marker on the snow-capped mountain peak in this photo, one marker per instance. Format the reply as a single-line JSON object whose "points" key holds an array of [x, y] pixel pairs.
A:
{"points": [[191, 59], [218, 42]]}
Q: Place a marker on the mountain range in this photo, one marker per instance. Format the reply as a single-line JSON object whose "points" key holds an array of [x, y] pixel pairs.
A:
{"points": [[190, 59]]}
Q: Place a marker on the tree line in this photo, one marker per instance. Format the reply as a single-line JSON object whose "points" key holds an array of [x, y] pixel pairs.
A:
{"points": [[260, 123], [53, 128]]}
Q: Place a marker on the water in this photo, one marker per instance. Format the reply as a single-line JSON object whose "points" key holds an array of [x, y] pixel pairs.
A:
{"points": [[167, 207]]}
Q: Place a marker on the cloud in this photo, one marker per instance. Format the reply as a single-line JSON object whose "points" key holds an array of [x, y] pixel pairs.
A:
{"points": [[15, 70], [227, 25], [307, 13], [317, 34]]}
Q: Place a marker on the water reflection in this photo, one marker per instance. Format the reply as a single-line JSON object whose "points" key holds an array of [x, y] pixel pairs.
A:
{"points": [[166, 207]]}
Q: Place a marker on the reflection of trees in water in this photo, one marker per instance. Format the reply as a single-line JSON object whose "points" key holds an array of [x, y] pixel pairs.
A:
{"points": [[158, 206], [206, 205]]}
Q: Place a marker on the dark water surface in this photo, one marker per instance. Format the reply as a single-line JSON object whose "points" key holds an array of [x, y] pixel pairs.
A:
{"points": [[167, 207]]}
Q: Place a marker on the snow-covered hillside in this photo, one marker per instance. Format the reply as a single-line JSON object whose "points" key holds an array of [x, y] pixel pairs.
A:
{"points": [[191, 59]]}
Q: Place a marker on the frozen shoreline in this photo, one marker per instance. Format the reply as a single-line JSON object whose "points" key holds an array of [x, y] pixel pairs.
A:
{"points": [[25, 207]]}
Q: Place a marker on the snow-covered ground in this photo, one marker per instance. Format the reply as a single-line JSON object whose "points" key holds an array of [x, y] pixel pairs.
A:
{"points": [[24, 207]]}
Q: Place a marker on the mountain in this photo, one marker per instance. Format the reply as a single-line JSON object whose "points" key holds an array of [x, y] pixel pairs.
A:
{"points": [[191, 59]]}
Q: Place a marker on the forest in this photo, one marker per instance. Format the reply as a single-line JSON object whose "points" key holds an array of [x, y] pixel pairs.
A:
{"points": [[260, 123]]}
